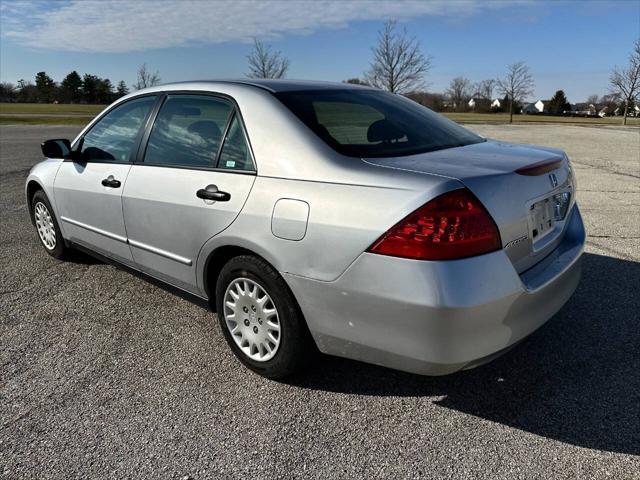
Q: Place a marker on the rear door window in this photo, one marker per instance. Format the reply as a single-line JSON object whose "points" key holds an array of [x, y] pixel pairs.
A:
{"points": [[235, 153], [188, 131]]}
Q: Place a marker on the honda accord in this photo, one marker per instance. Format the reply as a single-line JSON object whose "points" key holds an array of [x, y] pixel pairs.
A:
{"points": [[318, 216]]}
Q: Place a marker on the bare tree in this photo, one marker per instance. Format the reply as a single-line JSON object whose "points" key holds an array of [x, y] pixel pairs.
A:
{"points": [[625, 82], [459, 93], [609, 103], [517, 84], [593, 100], [434, 101], [7, 92], [485, 88], [146, 78], [265, 63], [398, 64]]}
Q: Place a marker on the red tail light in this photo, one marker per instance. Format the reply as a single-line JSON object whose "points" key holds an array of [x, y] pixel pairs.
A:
{"points": [[453, 225]]}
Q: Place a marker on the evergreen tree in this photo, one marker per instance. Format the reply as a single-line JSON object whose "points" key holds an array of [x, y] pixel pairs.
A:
{"points": [[104, 90], [89, 86], [44, 86], [559, 103], [121, 89], [72, 85]]}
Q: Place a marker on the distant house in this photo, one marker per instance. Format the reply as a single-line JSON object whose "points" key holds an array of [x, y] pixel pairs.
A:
{"points": [[541, 106], [479, 104], [503, 105], [632, 112], [585, 109]]}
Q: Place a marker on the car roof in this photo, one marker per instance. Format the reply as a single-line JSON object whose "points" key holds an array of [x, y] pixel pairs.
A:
{"points": [[277, 85]]}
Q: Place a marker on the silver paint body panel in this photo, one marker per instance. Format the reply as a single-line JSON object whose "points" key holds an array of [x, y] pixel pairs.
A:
{"points": [[167, 224], [419, 316], [435, 318], [91, 214]]}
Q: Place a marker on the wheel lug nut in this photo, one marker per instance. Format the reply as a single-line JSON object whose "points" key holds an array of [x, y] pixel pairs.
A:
{"points": [[245, 309], [246, 322], [253, 307], [260, 321], [255, 329]]}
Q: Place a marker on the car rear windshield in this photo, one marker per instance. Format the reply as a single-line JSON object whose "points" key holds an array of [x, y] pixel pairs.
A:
{"points": [[370, 123]]}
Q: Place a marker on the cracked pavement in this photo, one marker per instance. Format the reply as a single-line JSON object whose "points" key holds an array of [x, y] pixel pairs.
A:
{"points": [[104, 374]]}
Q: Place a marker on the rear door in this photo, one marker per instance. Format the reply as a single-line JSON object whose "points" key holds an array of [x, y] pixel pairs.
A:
{"points": [[193, 177], [88, 190]]}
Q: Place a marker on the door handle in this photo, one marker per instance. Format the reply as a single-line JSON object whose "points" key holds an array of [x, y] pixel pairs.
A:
{"points": [[211, 192], [111, 182]]}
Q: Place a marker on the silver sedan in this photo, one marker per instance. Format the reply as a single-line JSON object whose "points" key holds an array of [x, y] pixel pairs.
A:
{"points": [[316, 216]]}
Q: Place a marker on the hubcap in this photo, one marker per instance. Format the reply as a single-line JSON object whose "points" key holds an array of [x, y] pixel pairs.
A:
{"points": [[252, 318], [44, 224]]}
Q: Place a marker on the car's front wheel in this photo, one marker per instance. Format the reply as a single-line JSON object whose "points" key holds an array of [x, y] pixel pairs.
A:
{"points": [[47, 225], [260, 318]]}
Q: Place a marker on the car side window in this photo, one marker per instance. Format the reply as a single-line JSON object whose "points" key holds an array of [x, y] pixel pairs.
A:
{"points": [[113, 137], [235, 153], [188, 131]]}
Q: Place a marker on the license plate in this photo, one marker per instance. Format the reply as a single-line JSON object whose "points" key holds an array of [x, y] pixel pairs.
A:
{"points": [[541, 218]]}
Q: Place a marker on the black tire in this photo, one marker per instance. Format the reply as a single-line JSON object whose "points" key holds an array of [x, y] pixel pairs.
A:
{"points": [[60, 249], [296, 345]]}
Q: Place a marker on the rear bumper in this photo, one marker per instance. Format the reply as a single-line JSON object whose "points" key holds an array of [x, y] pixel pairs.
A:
{"points": [[435, 318]]}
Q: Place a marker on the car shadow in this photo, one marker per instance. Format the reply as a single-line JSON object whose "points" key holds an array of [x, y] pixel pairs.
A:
{"points": [[80, 257], [576, 380], [83, 256]]}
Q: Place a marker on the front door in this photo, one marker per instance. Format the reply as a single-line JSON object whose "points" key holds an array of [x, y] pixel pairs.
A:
{"points": [[88, 191], [195, 176]]}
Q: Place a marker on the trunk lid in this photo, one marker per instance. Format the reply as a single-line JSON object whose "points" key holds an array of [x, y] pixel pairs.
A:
{"points": [[524, 207]]}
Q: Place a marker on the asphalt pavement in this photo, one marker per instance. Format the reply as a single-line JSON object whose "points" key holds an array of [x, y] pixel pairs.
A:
{"points": [[104, 374]]}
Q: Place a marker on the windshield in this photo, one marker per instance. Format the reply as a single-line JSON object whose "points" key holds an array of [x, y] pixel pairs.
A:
{"points": [[370, 123]]}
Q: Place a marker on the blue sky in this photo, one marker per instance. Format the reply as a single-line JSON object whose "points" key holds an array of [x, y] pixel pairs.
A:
{"points": [[570, 45]]}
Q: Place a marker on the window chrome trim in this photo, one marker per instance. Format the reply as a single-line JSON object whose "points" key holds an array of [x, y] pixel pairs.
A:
{"points": [[195, 167]]}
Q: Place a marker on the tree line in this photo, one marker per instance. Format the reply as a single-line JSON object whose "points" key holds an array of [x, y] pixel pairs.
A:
{"points": [[74, 88], [398, 65]]}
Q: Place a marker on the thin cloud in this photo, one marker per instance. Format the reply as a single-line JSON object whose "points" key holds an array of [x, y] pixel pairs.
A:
{"points": [[125, 26]]}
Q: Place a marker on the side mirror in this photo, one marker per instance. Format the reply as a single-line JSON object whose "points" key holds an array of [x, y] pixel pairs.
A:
{"points": [[57, 148]]}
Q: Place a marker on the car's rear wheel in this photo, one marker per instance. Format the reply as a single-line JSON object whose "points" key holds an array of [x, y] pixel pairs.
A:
{"points": [[260, 318], [47, 225]]}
